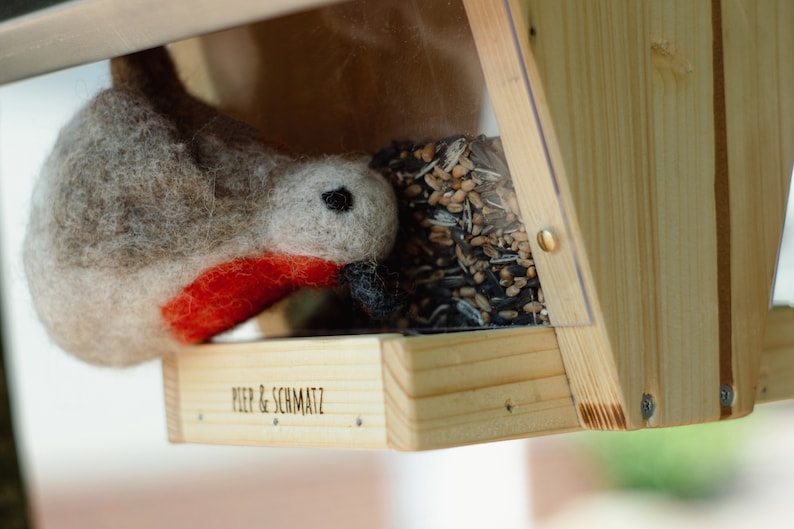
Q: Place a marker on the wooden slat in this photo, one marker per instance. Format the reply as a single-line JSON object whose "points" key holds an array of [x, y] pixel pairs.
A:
{"points": [[85, 31], [759, 77], [295, 392], [477, 386], [173, 405], [776, 380]]}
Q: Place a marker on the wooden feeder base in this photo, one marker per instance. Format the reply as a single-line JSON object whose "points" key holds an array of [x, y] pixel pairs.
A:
{"points": [[377, 391], [391, 391]]}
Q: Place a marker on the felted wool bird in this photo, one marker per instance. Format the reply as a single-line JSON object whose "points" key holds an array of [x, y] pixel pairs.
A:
{"points": [[159, 222]]}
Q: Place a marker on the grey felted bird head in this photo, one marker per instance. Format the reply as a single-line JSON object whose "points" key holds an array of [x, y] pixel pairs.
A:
{"points": [[158, 222]]}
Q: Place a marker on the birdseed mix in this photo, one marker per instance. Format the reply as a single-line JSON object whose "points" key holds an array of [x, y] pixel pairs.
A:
{"points": [[462, 258]]}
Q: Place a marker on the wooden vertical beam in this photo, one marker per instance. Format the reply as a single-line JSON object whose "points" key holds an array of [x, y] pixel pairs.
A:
{"points": [[758, 45]]}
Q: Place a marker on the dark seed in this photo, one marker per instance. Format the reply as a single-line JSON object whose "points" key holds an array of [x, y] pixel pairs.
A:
{"points": [[526, 319], [513, 302]]}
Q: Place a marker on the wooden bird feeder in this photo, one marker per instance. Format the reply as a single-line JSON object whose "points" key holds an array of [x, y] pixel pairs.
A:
{"points": [[650, 144]]}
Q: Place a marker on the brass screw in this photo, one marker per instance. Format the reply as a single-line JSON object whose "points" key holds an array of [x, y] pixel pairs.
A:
{"points": [[546, 241]]}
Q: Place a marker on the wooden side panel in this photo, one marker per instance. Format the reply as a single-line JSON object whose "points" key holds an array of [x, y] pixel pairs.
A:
{"points": [[776, 381], [324, 392], [630, 90], [469, 387], [759, 83]]}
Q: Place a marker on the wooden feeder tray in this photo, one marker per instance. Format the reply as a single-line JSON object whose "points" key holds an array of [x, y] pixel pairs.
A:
{"points": [[650, 147]]}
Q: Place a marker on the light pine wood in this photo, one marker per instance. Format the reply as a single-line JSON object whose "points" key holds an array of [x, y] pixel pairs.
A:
{"points": [[91, 30], [469, 387], [380, 391], [759, 77], [678, 183], [631, 92], [410, 393], [776, 380], [338, 382]]}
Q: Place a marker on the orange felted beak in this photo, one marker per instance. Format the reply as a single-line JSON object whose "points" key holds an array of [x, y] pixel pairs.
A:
{"points": [[232, 292]]}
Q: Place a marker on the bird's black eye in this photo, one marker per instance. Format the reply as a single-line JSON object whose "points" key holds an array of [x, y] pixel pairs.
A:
{"points": [[338, 200]]}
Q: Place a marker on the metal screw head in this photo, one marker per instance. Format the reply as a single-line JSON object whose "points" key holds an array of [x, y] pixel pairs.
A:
{"points": [[647, 406], [726, 395], [546, 241]]}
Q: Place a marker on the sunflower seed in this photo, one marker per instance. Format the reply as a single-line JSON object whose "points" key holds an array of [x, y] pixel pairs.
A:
{"points": [[451, 153], [426, 169], [504, 258], [443, 218], [469, 312]]}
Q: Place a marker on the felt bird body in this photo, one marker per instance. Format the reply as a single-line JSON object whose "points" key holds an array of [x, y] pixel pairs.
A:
{"points": [[159, 222]]}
